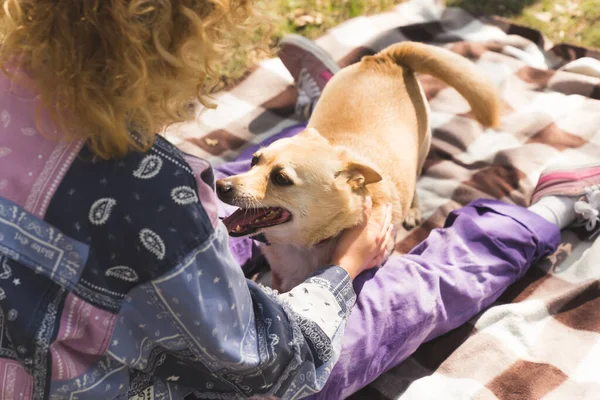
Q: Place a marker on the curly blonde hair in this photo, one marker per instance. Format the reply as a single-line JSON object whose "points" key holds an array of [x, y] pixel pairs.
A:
{"points": [[106, 67]]}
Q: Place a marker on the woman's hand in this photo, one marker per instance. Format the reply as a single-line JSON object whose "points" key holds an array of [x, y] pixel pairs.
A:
{"points": [[364, 246]]}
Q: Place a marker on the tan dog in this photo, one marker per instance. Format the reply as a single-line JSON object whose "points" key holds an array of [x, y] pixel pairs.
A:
{"points": [[369, 134]]}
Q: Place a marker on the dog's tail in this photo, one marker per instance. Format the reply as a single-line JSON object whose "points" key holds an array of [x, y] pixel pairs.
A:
{"points": [[454, 70]]}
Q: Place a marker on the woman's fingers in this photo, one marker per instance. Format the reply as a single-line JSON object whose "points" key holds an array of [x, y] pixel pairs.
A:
{"points": [[387, 218], [367, 208], [388, 237], [382, 251]]}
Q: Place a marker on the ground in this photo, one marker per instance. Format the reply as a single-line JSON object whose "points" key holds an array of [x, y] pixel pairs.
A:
{"points": [[571, 21]]}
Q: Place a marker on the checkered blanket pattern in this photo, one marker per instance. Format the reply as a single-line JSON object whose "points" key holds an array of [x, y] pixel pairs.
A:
{"points": [[542, 339]]}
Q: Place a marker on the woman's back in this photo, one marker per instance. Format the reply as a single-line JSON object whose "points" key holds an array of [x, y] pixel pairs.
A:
{"points": [[89, 235]]}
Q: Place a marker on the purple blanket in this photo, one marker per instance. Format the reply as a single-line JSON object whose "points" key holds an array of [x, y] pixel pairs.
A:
{"points": [[442, 283]]}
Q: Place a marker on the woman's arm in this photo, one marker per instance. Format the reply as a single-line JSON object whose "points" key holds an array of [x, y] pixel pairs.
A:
{"points": [[224, 336], [230, 336]]}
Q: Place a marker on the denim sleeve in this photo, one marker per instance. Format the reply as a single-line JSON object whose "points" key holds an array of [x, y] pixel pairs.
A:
{"points": [[238, 339]]}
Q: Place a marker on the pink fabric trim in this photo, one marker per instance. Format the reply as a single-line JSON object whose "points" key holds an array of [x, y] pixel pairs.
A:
{"points": [[54, 171], [15, 382], [31, 165], [83, 337], [206, 194]]}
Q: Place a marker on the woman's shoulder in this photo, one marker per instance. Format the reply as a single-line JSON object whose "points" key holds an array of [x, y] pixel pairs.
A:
{"points": [[154, 200], [139, 217]]}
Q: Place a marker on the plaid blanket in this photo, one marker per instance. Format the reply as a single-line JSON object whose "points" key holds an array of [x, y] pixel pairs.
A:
{"points": [[542, 339]]}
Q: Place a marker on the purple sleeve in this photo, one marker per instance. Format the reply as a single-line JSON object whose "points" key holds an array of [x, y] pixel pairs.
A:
{"points": [[447, 279]]}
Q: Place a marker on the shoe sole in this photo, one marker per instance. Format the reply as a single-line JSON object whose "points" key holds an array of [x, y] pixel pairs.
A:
{"points": [[311, 47], [577, 173], [565, 181]]}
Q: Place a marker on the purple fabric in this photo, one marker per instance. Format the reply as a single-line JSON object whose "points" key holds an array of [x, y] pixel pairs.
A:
{"points": [[447, 279]]}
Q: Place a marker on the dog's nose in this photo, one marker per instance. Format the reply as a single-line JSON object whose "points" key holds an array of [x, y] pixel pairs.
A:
{"points": [[223, 186]]}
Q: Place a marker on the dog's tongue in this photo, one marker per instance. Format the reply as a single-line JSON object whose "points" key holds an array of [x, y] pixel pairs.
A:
{"points": [[247, 219]]}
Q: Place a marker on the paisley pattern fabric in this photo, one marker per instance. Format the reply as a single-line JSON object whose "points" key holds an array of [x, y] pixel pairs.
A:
{"points": [[116, 281]]}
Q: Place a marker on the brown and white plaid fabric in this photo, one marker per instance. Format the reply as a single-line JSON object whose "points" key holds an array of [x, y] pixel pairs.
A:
{"points": [[542, 339]]}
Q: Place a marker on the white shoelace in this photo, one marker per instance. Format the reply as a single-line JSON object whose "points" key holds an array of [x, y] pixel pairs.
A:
{"points": [[589, 209], [308, 91]]}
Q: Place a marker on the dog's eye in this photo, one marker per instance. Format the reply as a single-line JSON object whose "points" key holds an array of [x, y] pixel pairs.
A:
{"points": [[254, 160], [281, 180]]}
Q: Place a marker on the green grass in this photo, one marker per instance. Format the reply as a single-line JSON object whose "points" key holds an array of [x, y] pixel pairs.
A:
{"points": [[570, 21], [289, 15], [310, 18]]}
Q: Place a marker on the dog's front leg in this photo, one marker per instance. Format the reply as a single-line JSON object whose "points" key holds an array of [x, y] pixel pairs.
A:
{"points": [[413, 216]]}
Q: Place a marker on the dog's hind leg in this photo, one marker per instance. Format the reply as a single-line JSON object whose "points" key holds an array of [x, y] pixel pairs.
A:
{"points": [[413, 216]]}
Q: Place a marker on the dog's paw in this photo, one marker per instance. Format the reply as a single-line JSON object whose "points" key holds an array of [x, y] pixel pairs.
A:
{"points": [[413, 219]]}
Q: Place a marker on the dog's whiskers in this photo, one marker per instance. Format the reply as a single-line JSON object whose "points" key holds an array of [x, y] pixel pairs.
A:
{"points": [[250, 203]]}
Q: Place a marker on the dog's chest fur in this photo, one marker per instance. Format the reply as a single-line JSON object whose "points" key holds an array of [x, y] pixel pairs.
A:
{"points": [[293, 264]]}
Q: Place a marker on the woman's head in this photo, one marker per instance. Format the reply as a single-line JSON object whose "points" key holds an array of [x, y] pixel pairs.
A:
{"points": [[103, 66]]}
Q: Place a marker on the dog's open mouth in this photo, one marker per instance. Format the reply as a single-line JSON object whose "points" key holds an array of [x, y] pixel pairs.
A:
{"points": [[246, 221]]}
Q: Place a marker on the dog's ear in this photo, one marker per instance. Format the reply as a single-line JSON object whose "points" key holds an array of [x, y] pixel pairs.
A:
{"points": [[357, 170], [361, 175]]}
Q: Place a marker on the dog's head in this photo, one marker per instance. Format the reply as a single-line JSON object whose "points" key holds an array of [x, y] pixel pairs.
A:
{"points": [[299, 190]]}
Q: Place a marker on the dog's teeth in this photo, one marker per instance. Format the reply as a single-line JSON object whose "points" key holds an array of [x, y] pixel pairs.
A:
{"points": [[270, 215], [238, 228]]}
